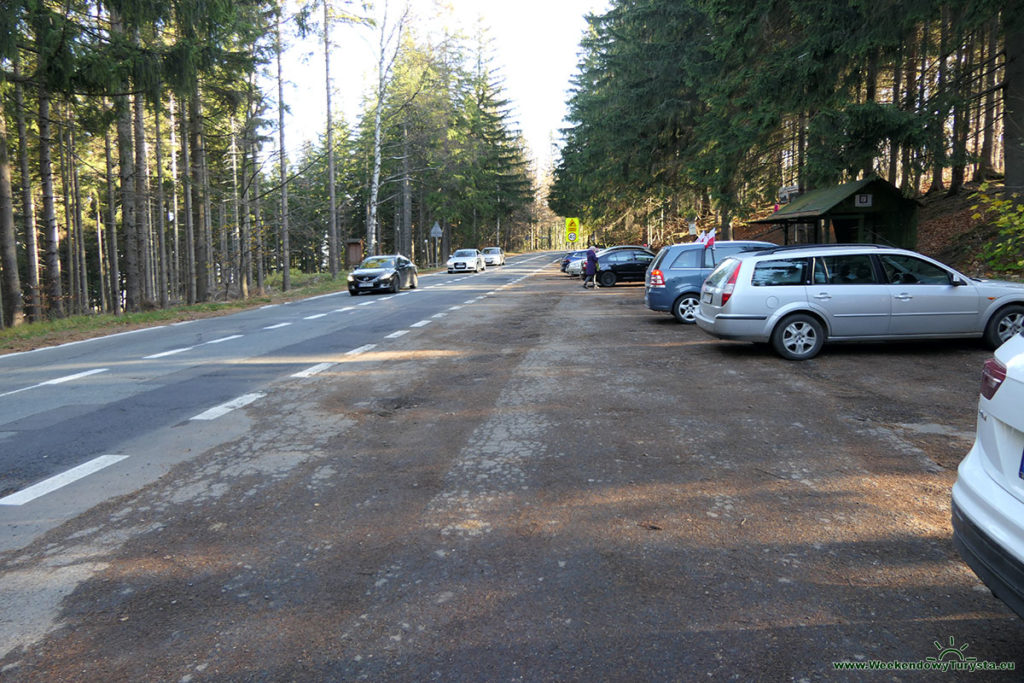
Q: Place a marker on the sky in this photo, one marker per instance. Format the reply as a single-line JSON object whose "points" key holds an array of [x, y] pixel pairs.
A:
{"points": [[536, 45]]}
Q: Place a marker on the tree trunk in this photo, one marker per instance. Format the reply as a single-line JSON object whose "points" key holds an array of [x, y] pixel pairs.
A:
{"points": [[10, 292], [27, 205], [986, 168], [940, 93], [143, 223], [54, 287], [113, 267], [332, 229], [199, 208], [1013, 95], [190, 232], [161, 226], [285, 247]]}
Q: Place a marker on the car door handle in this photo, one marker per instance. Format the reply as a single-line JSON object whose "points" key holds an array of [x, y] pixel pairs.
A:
{"points": [[824, 296], [903, 297]]}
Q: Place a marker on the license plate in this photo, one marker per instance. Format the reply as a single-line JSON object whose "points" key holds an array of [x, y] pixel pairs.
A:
{"points": [[706, 297], [366, 284]]}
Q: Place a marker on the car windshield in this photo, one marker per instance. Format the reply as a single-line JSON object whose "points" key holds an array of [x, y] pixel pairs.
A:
{"points": [[492, 250], [464, 252], [378, 262]]}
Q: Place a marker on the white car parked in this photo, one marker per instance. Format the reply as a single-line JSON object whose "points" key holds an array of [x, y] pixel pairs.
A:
{"points": [[494, 256], [988, 496], [465, 260]]}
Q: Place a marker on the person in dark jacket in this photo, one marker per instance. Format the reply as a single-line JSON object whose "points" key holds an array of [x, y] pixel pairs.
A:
{"points": [[590, 269]]}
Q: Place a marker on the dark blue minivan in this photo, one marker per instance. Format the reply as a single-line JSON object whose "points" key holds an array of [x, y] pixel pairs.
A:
{"points": [[673, 280]]}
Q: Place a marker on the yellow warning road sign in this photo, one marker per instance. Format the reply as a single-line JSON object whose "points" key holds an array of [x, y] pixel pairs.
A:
{"points": [[572, 229]]}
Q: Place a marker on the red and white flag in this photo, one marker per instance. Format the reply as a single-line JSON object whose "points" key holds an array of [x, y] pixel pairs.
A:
{"points": [[707, 238]]}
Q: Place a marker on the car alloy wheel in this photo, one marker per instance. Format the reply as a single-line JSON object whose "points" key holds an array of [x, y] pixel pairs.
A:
{"points": [[685, 308], [607, 279], [1004, 324], [798, 337]]}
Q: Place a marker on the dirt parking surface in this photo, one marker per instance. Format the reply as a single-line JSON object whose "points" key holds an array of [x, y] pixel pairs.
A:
{"points": [[564, 486]]}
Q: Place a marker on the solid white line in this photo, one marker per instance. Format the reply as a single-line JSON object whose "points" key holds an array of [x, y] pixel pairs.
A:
{"points": [[396, 335], [225, 408], [61, 480], [316, 369], [277, 326], [420, 323], [361, 349]]}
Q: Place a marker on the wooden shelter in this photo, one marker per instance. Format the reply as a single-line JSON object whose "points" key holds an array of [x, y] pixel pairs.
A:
{"points": [[871, 210]]}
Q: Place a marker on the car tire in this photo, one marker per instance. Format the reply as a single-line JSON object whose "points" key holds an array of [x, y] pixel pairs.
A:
{"points": [[353, 292], [396, 284], [414, 282], [798, 337], [684, 308], [607, 279], [1007, 322]]}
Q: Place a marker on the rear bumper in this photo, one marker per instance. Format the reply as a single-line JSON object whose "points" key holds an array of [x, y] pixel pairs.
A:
{"points": [[987, 523], [739, 328]]}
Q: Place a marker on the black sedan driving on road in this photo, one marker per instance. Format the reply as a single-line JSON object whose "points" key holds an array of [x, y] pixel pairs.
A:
{"points": [[387, 273]]}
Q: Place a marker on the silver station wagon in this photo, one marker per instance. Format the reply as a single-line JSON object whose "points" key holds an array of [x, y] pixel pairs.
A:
{"points": [[798, 297]]}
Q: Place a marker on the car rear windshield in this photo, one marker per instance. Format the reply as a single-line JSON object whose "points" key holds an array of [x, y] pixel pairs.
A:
{"points": [[721, 273], [780, 272]]}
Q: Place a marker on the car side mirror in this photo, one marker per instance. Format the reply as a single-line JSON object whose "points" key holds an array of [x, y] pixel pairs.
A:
{"points": [[959, 281]]}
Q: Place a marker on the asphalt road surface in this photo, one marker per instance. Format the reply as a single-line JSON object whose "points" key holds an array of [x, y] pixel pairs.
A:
{"points": [[500, 476]]}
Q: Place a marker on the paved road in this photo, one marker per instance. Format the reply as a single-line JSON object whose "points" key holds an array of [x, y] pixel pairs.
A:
{"points": [[548, 483]]}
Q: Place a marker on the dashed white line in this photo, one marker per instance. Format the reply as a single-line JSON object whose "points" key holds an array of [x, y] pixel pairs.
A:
{"points": [[225, 408], [314, 317], [60, 480], [58, 380], [421, 323], [164, 354], [315, 370], [361, 349], [277, 326], [396, 335], [224, 339]]}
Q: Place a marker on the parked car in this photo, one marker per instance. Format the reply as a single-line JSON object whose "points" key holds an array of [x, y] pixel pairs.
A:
{"points": [[494, 256], [622, 264], [797, 298], [673, 280], [988, 496], [466, 259], [573, 256], [575, 267], [383, 274]]}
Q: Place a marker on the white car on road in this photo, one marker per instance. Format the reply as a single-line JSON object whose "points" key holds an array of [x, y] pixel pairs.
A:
{"points": [[494, 256], [465, 260], [988, 496]]}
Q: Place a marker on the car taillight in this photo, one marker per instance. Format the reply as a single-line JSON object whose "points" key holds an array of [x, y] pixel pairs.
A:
{"points": [[992, 376], [657, 278], [730, 284]]}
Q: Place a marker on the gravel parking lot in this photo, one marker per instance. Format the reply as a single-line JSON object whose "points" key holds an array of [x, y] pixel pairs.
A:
{"points": [[565, 486]]}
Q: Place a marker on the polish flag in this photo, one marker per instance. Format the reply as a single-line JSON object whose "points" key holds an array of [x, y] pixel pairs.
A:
{"points": [[708, 238]]}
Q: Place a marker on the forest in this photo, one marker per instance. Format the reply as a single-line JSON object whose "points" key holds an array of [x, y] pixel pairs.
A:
{"points": [[144, 164], [708, 110]]}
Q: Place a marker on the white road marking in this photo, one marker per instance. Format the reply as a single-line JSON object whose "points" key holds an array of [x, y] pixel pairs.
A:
{"points": [[454, 308], [316, 369], [58, 380], [396, 335], [361, 349], [343, 310], [225, 408], [421, 323], [277, 326], [224, 339], [314, 317], [163, 354], [439, 315], [61, 480], [367, 303]]}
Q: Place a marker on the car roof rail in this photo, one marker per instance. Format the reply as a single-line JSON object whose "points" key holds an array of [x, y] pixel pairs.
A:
{"points": [[845, 245]]}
